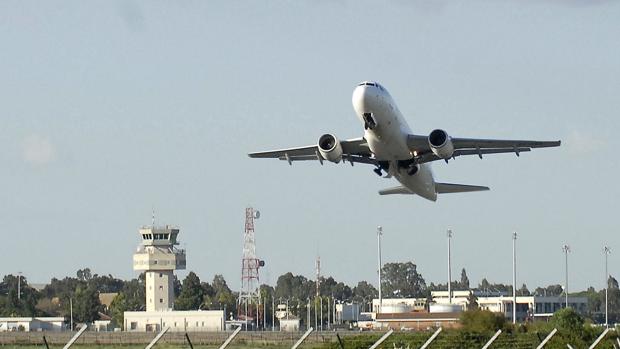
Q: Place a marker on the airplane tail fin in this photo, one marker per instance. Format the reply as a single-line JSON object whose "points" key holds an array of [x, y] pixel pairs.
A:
{"points": [[445, 188]]}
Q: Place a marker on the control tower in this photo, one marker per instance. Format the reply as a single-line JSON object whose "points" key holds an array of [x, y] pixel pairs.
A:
{"points": [[158, 257]]}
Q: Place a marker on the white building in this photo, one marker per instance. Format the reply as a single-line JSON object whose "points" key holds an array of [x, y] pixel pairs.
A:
{"points": [[158, 257], [533, 307], [347, 312], [178, 321], [28, 324], [398, 305], [289, 325]]}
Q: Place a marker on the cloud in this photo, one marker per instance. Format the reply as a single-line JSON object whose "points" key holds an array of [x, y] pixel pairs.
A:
{"points": [[132, 15], [38, 150]]}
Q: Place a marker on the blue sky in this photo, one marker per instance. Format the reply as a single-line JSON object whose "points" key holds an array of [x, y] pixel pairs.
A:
{"points": [[110, 109]]}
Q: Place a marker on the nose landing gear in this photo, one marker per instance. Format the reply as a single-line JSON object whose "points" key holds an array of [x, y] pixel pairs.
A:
{"points": [[369, 121], [381, 166]]}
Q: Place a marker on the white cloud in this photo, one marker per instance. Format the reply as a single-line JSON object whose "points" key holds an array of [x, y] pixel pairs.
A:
{"points": [[38, 150]]}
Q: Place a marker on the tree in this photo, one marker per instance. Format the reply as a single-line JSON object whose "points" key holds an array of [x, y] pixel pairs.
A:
{"points": [[118, 307], [482, 321], [223, 297], [12, 305], [472, 301], [464, 283], [84, 274], [523, 291], [402, 280], [364, 292], [86, 305], [191, 296], [569, 320]]}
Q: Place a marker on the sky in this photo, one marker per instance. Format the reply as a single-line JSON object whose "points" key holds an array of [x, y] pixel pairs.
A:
{"points": [[113, 109]]}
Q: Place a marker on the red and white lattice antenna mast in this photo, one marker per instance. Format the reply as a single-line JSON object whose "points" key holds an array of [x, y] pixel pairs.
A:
{"points": [[249, 297]]}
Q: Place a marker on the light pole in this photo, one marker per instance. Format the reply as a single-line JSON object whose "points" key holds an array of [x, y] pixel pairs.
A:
{"points": [[607, 251], [449, 266], [566, 250], [321, 304], [514, 278], [379, 234], [19, 285]]}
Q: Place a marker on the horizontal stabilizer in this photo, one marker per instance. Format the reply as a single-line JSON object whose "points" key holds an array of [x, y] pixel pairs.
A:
{"points": [[395, 190], [444, 188]]}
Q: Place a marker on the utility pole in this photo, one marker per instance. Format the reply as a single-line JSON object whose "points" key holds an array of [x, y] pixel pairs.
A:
{"points": [[514, 278], [607, 251], [566, 250], [379, 234], [449, 265]]}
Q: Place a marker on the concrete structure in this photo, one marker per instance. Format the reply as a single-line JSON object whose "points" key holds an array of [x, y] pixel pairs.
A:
{"points": [[399, 305], [532, 307], [347, 313], [27, 324], [417, 320], [289, 325], [178, 321], [158, 257]]}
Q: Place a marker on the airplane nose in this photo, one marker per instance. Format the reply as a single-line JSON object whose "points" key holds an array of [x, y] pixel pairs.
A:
{"points": [[361, 99]]}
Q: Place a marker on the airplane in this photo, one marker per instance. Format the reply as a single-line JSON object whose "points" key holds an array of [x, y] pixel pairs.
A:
{"points": [[390, 146]]}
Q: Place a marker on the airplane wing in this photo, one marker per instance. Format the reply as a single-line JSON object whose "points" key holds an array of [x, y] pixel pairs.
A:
{"points": [[473, 146], [353, 150]]}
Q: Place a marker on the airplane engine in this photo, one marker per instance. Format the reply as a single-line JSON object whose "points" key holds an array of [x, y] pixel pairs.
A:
{"points": [[330, 148], [441, 144]]}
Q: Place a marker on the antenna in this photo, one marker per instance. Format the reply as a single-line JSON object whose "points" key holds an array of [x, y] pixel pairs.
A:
{"points": [[249, 295]]}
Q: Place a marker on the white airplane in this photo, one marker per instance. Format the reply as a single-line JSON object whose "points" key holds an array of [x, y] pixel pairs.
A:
{"points": [[391, 147]]}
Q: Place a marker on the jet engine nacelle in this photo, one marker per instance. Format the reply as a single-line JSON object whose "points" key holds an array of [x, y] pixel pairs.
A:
{"points": [[330, 148], [441, 144]]}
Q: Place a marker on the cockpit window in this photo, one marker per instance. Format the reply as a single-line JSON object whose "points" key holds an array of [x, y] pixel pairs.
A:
{"points": [[366, 83]]}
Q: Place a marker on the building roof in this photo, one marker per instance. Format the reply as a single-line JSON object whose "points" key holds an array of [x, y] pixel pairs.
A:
{"points": [[417, 316]]}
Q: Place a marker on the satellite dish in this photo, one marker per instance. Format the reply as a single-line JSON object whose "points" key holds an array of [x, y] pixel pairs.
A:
{"points": [[257, 214]]}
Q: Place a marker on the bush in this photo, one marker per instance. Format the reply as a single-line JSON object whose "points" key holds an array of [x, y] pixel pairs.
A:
{"points": [[482, 321], [569, 320]]}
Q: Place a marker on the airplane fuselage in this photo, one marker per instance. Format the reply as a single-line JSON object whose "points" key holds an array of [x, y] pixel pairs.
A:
{"points": [[386, 132]]}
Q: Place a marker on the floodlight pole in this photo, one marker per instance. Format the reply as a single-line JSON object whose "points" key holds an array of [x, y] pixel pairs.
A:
{"points": [[514, 278], [450, 266], [19, 285], [379, 234], [566, 250], [607, 251]]}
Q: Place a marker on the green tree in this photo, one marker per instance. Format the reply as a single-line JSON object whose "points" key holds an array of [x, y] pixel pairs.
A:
{"points": [[11, 304], [192, 294], [472, 301], [523, 291], [464, 283], [402, 280], [569, 320], [364, 292], [86, 305], [117, 309]]}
